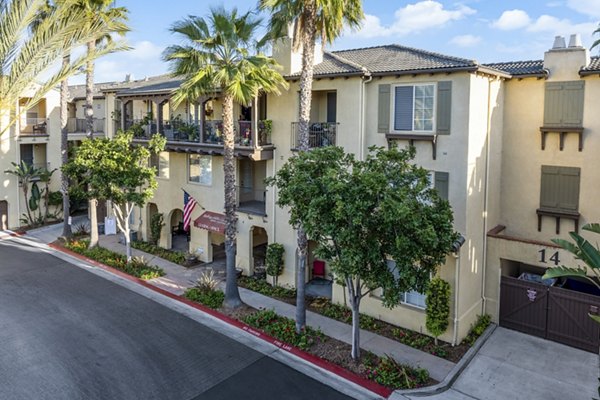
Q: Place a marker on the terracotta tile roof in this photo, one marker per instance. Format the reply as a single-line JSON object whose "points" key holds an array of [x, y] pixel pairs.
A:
{"points": [[520, 68], [592, 68]]}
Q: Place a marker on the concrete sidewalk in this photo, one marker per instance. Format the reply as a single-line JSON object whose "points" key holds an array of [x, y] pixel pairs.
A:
{"points": [[177, 279]]}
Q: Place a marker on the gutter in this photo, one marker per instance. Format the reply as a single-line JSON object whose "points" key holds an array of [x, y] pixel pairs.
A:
{"points": [[367, 78]]}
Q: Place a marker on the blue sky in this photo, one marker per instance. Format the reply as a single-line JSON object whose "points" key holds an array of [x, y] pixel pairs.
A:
{"points": [[484, 30]]}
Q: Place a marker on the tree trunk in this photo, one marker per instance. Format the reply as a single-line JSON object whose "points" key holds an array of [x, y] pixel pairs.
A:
{"points": [[306, 79], [355, 329], [232, 294], [64, 149], [89, 132], [93, 223]]}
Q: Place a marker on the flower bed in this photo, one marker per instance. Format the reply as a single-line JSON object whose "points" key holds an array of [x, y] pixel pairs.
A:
{"points": [[263, 287], [136, 267], [169, 255], [210, 298]]}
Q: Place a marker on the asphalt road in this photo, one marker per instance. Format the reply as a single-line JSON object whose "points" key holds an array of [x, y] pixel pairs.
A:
{"points": [[66, 333]]}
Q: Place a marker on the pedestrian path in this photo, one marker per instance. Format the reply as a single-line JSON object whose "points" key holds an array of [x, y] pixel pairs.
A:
{"points": [[177, 279]]}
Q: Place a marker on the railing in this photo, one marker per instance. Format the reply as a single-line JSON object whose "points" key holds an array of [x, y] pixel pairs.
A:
{"points": [[34, 126], [79, 125], [251, 201], [320, 134], [141, 127]]}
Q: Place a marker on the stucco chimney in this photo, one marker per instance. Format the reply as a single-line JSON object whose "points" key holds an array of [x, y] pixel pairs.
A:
{"points": [[559, 43], [575, 41]]}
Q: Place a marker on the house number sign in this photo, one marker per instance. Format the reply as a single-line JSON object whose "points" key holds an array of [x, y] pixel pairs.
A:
{"points": [[553, 258]]}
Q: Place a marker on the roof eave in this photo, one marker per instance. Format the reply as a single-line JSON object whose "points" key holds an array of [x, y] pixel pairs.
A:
{"points": [[583, 72], [321, 76], [428, 71]]}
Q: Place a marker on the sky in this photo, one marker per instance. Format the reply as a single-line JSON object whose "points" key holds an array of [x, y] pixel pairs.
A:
{"points": [[482, 30]]}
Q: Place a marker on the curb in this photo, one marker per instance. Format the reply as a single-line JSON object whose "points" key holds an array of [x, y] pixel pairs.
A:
{"points": [[10, 234], [454, 373], [326, 365]]}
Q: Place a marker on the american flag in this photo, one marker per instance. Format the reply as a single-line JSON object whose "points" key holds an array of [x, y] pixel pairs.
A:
{"points": [[188, 206]]}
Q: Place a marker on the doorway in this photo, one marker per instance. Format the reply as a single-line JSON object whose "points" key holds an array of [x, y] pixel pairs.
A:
{"points": [[3, 215]]}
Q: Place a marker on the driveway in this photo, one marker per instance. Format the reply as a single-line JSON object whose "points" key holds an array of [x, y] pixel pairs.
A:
{"points": [[512, 365], [69, 334]]}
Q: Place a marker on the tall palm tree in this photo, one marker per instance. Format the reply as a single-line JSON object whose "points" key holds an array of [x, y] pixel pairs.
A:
{"points": [[216, 56], [311, 20], [115, 18]]}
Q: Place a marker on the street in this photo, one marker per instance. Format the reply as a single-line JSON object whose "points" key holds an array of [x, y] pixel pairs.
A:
{"points": [[69, 334]]}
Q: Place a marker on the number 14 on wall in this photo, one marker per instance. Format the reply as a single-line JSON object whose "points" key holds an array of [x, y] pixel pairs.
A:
{"points": [[554, 258]]}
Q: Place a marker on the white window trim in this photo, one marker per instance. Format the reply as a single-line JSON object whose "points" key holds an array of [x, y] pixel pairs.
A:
{"points": [[393, 106], [404, 302], [188, 171]]}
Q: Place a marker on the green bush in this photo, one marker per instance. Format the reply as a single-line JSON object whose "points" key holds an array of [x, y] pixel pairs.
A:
{"points": [[263, 287], [136, 268], [283, 329], [169, 255], [388, 372], [156, 225], [344, 314], [437, 307], [210, 298], [274, 260], [483, 321]]}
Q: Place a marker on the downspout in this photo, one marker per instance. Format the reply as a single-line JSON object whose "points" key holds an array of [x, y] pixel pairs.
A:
{"points": [[456, 291], [366, 78], [486, 195]]}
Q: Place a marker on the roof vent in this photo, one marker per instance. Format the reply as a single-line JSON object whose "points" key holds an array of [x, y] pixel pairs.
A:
{"points": [[575, 41], [559, 43]]}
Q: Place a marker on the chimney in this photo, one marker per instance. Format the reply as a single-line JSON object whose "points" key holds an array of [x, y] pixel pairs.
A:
{"points": [[128, 78], [559, 43], [575, 41]]}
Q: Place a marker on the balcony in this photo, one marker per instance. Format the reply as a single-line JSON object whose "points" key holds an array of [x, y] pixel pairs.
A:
{"points": [[320, 134], [79, 125], [180, 136], [34, 127], [251, 201]]}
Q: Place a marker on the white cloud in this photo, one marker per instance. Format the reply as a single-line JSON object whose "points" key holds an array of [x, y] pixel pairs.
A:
{"points": [[145, 50], [556, 26], [466, 40], [412, 18], [591, 8], [512, 19]]}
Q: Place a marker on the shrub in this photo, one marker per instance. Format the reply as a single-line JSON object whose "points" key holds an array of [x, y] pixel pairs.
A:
{"points": [[283, 329], [81, 230], [274, 260], [437, 309], [138, 268], [207, 281], [156, 225], [390, 373], [483, 321], [263, 287], [210, 298], [344, 314], [169, 255]]}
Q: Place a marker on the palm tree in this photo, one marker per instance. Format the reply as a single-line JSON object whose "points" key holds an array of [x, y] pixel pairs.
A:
{"points": [[311, 20], [217, 56], [113, 17]]}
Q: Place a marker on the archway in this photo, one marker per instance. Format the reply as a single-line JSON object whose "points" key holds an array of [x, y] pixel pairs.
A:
{"points": [[179, 237]]}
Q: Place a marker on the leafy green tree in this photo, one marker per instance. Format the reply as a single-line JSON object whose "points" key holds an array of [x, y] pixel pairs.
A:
{"points": [[583, 250], [116, 171], [217, 56], [25, 173], [362, 214], [437, 307], [311, 20]]}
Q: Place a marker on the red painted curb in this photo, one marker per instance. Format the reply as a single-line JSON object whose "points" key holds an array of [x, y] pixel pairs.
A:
{"points": [[334, 368]]}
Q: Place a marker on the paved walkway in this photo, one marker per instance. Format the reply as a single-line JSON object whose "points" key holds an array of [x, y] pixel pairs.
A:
{"points": [[179, 278]]}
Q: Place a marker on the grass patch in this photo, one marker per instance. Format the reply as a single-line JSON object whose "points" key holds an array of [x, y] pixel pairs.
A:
{"points": [[210, 298], [169, 255], [136, 267]]}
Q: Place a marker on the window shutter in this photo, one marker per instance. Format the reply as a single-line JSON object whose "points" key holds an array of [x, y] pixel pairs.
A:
{"points": [[553, 104], [383, 113], [444, 107], [573, 103], [403, 108], [560, 188], [441, 184]]}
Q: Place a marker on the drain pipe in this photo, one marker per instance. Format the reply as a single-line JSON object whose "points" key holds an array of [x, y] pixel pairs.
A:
{"points": [[456, 291], [486, 195], [366, 78]]}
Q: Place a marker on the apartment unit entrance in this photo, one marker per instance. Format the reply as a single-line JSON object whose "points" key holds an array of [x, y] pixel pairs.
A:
{"points": [[556, 311], [3, 214]]}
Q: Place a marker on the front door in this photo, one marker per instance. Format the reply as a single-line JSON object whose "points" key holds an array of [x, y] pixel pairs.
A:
{"points": [[3, 214]]}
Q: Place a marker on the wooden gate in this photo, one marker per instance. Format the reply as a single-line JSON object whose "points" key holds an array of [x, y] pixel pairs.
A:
{"points": [[3, 214], [552, 313]]}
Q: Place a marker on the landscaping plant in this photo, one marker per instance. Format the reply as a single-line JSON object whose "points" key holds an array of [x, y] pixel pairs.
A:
{"points": [[156, 225], [437, 307], [274, 260]]}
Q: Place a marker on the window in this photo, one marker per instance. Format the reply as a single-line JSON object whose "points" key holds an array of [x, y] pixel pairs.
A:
{"points": [[439, 181], [413, 108], [412, 298], [559, 188], [160, 161], [200, 169]]}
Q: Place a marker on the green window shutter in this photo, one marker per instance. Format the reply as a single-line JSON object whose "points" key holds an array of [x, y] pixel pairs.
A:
{"points": [[553, 104], [444, 107], [573, 103], [441, 184], [383, 113], [560, 188]]}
